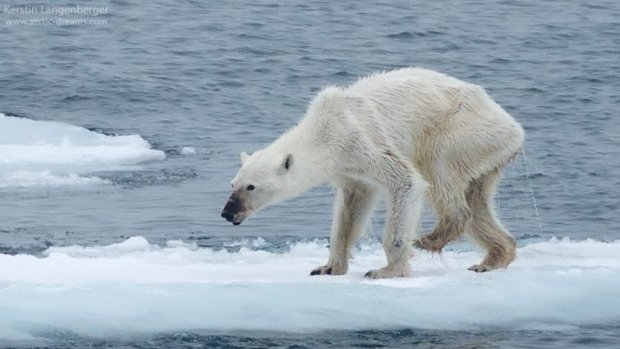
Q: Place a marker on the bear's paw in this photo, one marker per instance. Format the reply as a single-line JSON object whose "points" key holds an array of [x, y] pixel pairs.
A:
{"points": [[329, 270], [481, 268], [430, 243], [388, 272]]}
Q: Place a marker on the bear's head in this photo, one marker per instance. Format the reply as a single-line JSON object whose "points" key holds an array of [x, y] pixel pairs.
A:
{"points": [[264, 178]]}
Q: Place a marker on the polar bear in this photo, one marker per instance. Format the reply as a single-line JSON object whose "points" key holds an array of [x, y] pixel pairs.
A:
{"points": [[411, 134]]}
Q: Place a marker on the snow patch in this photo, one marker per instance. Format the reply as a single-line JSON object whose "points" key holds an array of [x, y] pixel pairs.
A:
{"points": [[48, 153]]}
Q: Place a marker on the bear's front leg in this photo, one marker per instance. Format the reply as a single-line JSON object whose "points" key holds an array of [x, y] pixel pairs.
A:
{"points": [[398, 253], [405, 205], [353, 205]]}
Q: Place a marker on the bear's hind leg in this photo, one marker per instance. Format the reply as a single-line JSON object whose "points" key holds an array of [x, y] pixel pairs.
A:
{"points": [[484, 227], [454, 214], [353, 205]]}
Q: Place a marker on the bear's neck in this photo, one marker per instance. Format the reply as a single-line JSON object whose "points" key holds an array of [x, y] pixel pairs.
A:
{"points": [[311, 162]]}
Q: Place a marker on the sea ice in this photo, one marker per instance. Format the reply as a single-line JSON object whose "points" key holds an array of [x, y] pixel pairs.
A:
{"points": [[138, 287]]}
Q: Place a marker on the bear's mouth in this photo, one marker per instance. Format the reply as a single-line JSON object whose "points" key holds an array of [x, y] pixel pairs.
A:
{"points": [[239, 218]]}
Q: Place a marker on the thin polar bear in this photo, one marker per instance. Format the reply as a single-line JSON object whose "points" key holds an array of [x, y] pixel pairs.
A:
{"points": [[410, 133]]}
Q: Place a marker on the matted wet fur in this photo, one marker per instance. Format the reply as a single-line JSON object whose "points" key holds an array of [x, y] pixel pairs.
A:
{"points": [[408, 133]]}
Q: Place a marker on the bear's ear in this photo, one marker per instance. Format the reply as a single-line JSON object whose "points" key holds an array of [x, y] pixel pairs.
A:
{"points": [[244, 156], [288, 162]]}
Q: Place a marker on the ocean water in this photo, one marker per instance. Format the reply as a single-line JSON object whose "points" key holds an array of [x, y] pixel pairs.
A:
{"points": [[118, 139]]}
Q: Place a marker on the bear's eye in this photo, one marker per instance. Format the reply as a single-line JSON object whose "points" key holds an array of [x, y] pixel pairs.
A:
{"points": [[250, 187]]}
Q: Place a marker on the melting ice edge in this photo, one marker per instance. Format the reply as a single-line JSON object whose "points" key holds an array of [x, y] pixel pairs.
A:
{"points": [[136, 287]]}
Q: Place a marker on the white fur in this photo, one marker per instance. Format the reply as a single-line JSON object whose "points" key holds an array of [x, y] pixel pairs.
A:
{"points": [[406, 133]]}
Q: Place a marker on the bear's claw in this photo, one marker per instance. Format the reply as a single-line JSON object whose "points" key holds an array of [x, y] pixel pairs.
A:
{"points": [[385, 273], [336, 269], [321, 270], [480, 268]]}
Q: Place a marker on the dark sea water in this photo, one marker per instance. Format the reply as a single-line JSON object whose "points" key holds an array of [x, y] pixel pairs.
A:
{"points": [[225, 77]]}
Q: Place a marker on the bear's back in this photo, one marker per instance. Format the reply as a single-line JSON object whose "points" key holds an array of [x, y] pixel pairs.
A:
{"points": [[411, 78]]}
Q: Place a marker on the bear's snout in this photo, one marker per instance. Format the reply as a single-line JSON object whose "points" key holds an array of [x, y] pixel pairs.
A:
{"points": [[228, 216], [232, 208]]}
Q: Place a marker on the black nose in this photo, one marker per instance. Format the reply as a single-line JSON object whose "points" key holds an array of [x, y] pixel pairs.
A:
{"points": [[228, 216]]}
